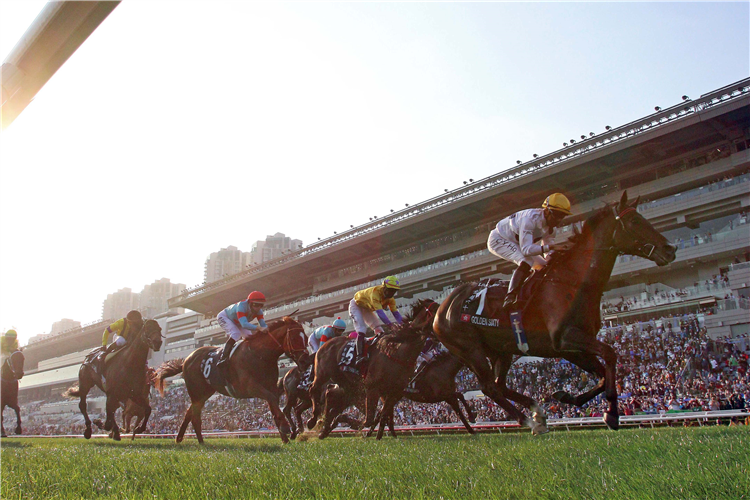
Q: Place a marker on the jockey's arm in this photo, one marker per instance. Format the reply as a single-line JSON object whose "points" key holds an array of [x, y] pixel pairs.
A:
{"points": [[383, 317], [397, 315], [526, 240], [115, 327]]}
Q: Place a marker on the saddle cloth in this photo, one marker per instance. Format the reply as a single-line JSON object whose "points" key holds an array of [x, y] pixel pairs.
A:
{"points": [[214, 376], [305, 379], [484, 307], [348, 358]]}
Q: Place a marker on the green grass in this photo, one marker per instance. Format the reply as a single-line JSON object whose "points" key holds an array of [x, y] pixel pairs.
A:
{"points": [[709, 462]]}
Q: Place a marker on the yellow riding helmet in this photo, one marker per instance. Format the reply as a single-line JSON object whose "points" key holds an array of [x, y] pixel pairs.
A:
{"points": [[559, 202], [391, 282], [11, 334]]}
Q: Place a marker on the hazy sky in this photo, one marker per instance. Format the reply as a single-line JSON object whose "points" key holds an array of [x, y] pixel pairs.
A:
{"points": [[179, 128]]}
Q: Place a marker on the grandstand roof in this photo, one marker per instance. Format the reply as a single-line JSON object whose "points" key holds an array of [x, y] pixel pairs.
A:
{"points": [[623, 155]]}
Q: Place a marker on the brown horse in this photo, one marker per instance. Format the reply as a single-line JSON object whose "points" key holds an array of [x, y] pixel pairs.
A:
{"points": [[125, 376], [437, 383], [253, 372], [563, 307], [10, 374], [389, 369], [132, 410]]}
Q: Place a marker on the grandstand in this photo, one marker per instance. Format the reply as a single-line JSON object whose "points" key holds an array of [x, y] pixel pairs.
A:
{"points": [[690, 164]]}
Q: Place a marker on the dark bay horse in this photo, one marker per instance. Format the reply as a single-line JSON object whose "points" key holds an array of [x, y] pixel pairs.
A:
{"points": [[125, 376], [10, 374], [131, 409], [390, 367], [253, 372], [566, 302], [437, 383]]}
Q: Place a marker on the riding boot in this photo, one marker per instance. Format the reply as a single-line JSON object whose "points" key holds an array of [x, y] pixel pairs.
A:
{"points": [[516, 282], [222, 365], [360, 348]]}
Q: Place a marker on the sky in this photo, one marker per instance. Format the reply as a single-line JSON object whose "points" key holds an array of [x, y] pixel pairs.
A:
{"points": [[180, 128]]}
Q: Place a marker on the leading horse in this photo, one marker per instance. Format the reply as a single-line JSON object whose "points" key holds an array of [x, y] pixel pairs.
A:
{"points": [[10, 374], [125, 375], [253, 372], [565, 304]]}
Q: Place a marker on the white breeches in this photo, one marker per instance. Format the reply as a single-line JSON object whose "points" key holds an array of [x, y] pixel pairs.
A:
{"points": [[120, 341], [313, 343], [364, 318], [231, 328], [509, 250]]}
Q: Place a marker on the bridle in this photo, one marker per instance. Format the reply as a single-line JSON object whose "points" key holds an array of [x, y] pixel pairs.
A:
{"points": [[644, 249], [286, 346], [146, 338]]}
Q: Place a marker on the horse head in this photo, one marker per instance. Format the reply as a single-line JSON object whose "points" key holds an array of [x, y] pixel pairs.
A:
{"points": [[151, 334], [422, 313], [634, 235], [15, 363], [290, 336]]}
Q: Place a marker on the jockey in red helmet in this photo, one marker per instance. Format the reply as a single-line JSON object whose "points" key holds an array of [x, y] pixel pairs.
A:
{"points": [[235, 320]]}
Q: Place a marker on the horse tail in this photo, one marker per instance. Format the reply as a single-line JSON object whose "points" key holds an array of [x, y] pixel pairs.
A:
{"points": [[443, 318], [72, 392], [166, 370]]}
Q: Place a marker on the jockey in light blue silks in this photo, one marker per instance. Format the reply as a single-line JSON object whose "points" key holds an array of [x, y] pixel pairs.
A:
{"points": [[325, 333]]}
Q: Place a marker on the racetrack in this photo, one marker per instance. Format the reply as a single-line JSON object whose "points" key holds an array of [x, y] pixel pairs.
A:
{"points": [[694, 462]]}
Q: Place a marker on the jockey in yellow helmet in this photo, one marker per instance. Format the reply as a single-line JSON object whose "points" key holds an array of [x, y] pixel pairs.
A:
{"points": [[525, 237], [367, 308]]}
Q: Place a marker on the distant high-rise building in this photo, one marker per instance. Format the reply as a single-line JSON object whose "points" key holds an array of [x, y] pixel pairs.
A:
{"points": [[64, 324], [274, 246], [225, 262], [119, 303], [154, 297]]}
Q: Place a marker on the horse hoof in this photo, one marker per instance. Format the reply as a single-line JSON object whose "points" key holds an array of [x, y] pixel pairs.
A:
{"points": [[178, 439], [311, 424], [19, 431], [116, 438], [612, 421], [3, 435], [87, 433], [539, 429]]}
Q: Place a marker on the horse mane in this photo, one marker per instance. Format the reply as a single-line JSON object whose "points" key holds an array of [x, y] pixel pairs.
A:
{"points": [[589, 225], [273, 325], [416, 306], [399, 334]]}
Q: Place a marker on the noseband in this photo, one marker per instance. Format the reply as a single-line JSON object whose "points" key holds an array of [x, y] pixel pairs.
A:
{"points": [[287, 344]]}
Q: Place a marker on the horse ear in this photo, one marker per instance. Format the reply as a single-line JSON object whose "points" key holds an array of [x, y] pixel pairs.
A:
{"points": [[635, 203], [624, 200]]}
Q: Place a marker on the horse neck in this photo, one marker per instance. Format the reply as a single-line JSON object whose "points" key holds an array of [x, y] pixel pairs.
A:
{"points": [[589, 264], [137, 351]]}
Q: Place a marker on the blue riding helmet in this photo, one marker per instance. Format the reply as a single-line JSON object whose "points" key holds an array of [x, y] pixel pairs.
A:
{"points": [[339, 323]]}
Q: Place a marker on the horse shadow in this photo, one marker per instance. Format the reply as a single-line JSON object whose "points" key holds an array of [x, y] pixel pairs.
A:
{"points": [[14, 444], [263, 448]]}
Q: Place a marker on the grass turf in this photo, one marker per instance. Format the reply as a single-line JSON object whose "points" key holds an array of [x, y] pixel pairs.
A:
{"points": [[707, 462]]}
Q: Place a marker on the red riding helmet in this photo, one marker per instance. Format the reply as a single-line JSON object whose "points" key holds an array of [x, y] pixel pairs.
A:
{"points": [[256, 297]]}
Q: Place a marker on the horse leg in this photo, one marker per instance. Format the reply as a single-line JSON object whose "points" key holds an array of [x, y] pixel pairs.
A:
{"points": [[391, 425], [272, 398], [2, 420], [291, 400], [110, 424], [591, 364], [83, 391], [322, 376], [371, 406], [18, 419], [502, 365], [196, 409], [143, 403], [476, 360], [453, 402], [385, 417], [299, 409], [185, 422], [611, 417], [469, 412]]}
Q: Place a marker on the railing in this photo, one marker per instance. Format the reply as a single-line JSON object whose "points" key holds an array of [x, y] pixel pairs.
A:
{"points": [[560, 424], [671, 296], [585, 146]]}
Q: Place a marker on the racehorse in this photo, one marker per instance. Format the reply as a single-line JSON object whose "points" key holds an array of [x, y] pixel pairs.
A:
{"points": [[10, 374], [253, 372], [437, 383], [125, 377], [132, 410], [565, 302], [389, 369], [298, 399]]}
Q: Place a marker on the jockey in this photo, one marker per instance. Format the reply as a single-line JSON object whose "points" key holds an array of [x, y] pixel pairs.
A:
{"points": [[123, 330], [515, 239], [367, 308], [325, 333], [430, 349], [235, 320], [8, 344]]}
